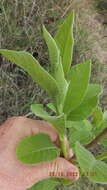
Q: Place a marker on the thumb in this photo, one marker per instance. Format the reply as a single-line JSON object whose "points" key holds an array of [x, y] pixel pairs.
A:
{"points": [[59, 168]]}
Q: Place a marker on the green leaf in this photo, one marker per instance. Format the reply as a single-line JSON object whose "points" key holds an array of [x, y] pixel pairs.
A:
{"points": [[105, 116], [100, 128], [47, 184], [76, 124], [84, 157], [31, 65], [53, 50], [102, 156], [39, 111], [65, 41], [88, 105], [52, 107], [57, 121], [66, 182], [37, 149], [104, 141], [96, 169], [97, 116], [99, 169], [62, 84], [79, 79], [82, 136], [81, 132], [56, 65], [88, 124], [69, 124]]}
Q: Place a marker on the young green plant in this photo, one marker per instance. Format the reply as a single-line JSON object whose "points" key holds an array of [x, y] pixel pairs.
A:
{"points": [[73, 100]]}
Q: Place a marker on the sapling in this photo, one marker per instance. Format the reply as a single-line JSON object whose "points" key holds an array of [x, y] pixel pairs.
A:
{"points": [[73, 100]]}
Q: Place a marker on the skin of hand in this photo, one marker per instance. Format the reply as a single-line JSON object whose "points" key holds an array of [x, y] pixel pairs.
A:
{"points": [[15, 175]]}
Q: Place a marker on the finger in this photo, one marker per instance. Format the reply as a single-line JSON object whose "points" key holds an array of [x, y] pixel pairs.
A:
{"points": [[4, 127], [22, 127], [59, 168], [37, 126]]}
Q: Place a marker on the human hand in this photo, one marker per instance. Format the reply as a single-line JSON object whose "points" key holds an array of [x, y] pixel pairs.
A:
{"points": [[15, 175]]}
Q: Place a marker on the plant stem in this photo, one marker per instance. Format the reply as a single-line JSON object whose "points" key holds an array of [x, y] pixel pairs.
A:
{"points": [[65, 147], [97, 139]]}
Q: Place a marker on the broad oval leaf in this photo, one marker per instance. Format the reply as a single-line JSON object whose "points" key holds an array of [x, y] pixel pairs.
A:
{"points": [[36, 149], [80, 132], [30, 64], [84, 157], [57, 121], [96, 169], [79, 79], [65, 41], [88, 105], [47, 184], [99, 169]]}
